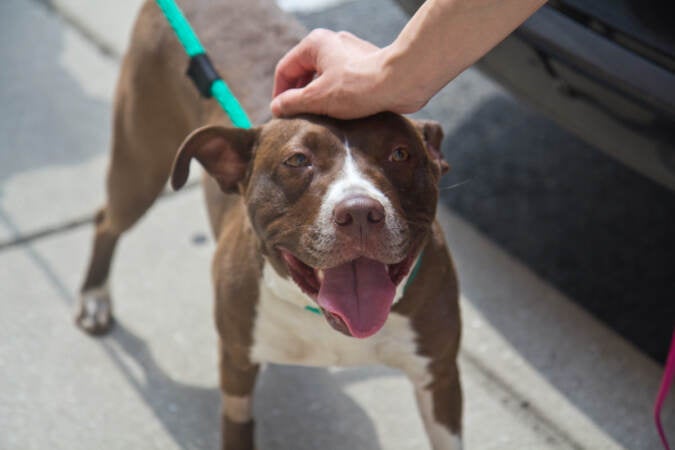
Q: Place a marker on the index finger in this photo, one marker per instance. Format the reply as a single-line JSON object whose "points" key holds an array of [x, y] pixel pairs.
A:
{"points": [[298, 65]]}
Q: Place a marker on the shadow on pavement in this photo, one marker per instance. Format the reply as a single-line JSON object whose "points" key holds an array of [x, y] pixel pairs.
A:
{"points": [[593, 228], [302, 408], [189, 414], [598, 232]]}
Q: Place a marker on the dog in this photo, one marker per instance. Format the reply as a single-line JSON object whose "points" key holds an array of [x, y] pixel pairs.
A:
{"points": [[328, 252]]}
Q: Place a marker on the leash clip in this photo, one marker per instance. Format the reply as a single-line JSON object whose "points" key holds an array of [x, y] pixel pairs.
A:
{"points": [[202, 73]]}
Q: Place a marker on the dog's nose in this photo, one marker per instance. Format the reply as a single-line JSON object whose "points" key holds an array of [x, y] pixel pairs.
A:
{"points": [[359, 212]]}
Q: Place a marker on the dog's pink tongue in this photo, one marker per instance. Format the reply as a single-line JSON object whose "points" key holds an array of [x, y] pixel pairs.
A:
{"points": [[360, 292]]}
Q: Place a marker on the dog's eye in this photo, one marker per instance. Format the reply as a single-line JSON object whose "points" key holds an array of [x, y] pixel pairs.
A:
{"points": [[297, 160], [400, 154]]}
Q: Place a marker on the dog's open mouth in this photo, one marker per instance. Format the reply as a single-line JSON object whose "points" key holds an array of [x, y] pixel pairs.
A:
{"points": [[355, 296]]}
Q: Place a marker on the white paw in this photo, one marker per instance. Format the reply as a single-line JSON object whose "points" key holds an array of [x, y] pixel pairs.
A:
{"points": [[94, 312]]}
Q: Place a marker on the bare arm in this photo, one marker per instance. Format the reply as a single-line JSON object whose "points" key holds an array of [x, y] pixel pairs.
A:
{"points": [[340, 75]]}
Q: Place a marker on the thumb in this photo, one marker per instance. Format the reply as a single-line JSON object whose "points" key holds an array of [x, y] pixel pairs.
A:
{"points": [[295, 101]]}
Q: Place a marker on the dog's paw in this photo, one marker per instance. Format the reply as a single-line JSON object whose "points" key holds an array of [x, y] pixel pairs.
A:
{"points": [[94, 312]]}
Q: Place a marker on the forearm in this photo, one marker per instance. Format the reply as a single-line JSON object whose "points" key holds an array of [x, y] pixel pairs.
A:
{"points": [[445, 37]]}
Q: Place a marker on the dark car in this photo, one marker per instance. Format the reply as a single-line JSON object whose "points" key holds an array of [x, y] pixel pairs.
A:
{"points": [[603, 69]]}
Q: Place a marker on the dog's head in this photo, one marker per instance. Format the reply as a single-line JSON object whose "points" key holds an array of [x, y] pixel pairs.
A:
{"points": [[341, 207]]}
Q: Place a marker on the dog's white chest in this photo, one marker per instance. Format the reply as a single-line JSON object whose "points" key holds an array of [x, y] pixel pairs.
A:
{"points": [[285, 332]]}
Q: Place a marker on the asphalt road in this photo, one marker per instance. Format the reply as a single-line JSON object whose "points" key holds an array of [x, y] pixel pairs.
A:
{"points": [[596, 230]]}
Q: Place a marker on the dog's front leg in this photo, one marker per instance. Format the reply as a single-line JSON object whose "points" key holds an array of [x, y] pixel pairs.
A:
{"points": [[440, 405], [237, 380]]}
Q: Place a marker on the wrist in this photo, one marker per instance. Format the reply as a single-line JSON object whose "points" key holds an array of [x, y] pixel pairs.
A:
{"points": [[406, 85]]}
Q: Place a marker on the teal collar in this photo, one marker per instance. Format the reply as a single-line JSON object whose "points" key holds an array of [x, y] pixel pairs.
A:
{"points": [[414, 272], [313, 309], [411, 278]]}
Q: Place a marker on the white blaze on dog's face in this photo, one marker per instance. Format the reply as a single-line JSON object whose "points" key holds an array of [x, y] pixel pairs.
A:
{"points": [[352, 193], [341, 207]]}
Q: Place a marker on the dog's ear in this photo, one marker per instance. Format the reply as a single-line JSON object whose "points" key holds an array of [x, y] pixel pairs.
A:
{"points": [[224, 152], [432, 133]]}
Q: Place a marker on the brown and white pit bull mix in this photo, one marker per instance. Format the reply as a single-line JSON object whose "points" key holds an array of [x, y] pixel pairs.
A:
{"points": [[306, 211]]}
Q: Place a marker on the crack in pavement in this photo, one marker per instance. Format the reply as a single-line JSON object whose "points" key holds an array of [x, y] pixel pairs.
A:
{"points": [[22, 239], [528, 413]]}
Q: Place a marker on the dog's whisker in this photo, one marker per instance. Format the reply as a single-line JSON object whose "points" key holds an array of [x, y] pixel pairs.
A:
{"points": [[453, 186]]}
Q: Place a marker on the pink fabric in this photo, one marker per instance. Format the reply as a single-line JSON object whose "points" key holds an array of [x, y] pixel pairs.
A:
{"points": [[663, 391]]}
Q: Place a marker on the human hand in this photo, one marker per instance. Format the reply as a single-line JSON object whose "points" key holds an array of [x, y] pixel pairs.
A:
{"points": [[335, 74], [340, 75]]}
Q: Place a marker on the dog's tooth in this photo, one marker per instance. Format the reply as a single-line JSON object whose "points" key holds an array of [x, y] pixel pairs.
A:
{"points": [[319, 275]]}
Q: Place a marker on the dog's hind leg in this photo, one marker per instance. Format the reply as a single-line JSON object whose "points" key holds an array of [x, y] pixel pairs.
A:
{"points": [[94, 309], [131, 192], [146, 135]]}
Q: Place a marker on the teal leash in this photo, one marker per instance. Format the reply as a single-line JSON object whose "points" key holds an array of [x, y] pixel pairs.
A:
{"points": [[201, 70]]}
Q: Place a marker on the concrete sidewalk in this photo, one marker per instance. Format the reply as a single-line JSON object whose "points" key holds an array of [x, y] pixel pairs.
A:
{"points": [[538, 372]]}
